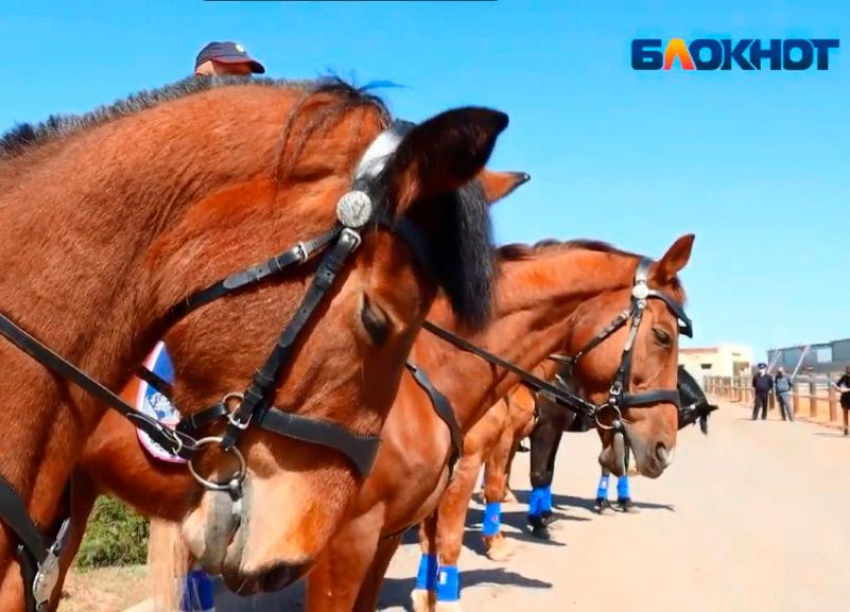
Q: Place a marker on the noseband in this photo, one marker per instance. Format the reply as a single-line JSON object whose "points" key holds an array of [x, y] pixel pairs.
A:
{"points": [[357, 211]]}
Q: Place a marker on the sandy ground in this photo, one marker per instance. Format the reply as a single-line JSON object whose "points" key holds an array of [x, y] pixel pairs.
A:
{"points": [[755, 517], [752, 518]]}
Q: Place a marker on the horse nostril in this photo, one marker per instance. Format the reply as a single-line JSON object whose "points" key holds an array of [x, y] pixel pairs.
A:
{"points": [[664, 456]]}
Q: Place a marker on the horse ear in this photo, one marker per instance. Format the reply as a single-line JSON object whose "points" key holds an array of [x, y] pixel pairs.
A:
{"points": [[442, 154], [498, 185], [676, 258]]}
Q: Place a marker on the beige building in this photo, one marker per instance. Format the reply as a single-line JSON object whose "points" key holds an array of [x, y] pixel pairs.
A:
{"points": [[721, 360]]}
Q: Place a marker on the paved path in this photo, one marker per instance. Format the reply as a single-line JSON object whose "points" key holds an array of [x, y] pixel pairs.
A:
{"points": [[755, 517]]}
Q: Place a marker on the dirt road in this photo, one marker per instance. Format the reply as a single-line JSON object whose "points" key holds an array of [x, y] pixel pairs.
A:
{"points": [[755, 517]]}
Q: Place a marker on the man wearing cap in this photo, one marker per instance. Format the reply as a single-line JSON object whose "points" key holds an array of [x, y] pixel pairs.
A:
{"points": [[226, 58], [762, 385]]}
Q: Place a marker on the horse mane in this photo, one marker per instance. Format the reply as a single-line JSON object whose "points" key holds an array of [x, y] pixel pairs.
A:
{"points": [[524, 252], [24, 137]]}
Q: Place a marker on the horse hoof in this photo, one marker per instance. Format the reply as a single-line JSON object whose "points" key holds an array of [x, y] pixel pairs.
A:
{"points": [[509, 497], [499, 548], [603, 507], [422, 600], [448, 606]]}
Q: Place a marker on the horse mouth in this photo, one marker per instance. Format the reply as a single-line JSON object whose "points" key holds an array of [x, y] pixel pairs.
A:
{"points": [[274, 578]]}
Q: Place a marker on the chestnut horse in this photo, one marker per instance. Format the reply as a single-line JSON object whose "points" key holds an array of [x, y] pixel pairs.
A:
{"points": [[114, 462], [109, 221], [652, 350], [539, 303]]}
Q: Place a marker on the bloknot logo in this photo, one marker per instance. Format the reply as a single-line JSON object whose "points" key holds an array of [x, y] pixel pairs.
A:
{"points": [[727, 53]]}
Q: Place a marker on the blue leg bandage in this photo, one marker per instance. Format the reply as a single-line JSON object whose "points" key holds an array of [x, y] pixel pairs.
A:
{"points": [[197, 592], [448, 584], [623, 487], [535, 501], [427, 576], [602, 489], [547, 498], [492, 518]]}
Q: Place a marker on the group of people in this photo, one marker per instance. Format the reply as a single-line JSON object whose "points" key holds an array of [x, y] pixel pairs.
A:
{"points": [[783, 387]]}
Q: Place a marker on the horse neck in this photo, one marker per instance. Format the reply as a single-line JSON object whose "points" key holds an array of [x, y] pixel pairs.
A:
{"points": [[74, 234], [535, 299]]}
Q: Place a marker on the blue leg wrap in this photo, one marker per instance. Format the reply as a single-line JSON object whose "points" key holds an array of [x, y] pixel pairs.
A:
{"points": [[197, 592], [448, 584], [602, 489], [427, 576], [535, 501], [547, 498], [623, 487], [492, 518]]}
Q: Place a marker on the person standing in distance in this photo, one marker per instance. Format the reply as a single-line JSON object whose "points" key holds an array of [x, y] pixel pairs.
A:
{"points": [[762, 385], [843, 385]]}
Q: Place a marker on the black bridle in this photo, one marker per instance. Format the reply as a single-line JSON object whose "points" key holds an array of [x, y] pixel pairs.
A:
{"points": [[618, 397], [358, 211]]}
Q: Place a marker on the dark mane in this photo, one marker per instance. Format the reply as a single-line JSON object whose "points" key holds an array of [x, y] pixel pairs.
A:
{"points": [[523, 252], [25, 136], [519, 251]]}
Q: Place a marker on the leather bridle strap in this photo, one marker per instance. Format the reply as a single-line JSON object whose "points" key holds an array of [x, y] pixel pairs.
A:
{"points": [[252, 275], [444, 410], [256, 397], [175, 443], [361, 450], [563, 398]]}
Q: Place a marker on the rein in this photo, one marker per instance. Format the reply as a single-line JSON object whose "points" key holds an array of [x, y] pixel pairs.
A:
{"points": [[618, 397], [356, 212]]}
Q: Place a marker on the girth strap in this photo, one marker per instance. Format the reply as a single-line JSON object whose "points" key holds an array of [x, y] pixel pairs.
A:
{"points": [[16, 517], [443, 408]]}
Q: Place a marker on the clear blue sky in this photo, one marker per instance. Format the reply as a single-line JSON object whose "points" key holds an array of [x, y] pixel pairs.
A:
{"points": [[756, 164]]}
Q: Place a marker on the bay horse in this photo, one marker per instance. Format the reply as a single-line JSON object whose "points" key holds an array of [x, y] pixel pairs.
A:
{"points": [[115, 224]]}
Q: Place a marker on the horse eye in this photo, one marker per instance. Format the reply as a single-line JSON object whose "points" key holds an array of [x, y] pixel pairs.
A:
{"points": [[662, 336], [374, 321]]}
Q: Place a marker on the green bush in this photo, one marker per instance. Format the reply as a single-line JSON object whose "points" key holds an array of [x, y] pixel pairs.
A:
{"points": [[115, 536]]}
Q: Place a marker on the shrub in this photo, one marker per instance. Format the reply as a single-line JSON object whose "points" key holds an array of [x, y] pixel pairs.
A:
{"points": [[115, 536]]}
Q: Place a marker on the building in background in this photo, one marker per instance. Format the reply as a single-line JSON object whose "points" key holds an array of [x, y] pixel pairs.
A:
{"points": [[821, 358], [725, 359]]}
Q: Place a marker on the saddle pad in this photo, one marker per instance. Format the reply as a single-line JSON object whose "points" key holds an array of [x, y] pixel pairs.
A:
{"points": [[152, 403]]}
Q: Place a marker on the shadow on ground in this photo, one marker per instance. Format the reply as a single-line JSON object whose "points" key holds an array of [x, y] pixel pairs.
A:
{"points": [[396, 591]]}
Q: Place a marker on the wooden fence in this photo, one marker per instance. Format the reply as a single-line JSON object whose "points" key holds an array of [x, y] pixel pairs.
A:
{"points": [[811, 398]]}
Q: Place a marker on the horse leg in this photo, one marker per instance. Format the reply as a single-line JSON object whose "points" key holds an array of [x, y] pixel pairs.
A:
{"points": [[451, 516], [509, 497], [367, 599], [498, 548], [542, 444], [335, 582], [546, 506], [424, 597]]}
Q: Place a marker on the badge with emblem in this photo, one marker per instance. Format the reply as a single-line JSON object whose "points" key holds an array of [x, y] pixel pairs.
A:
{"points": [[152, 403]]}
